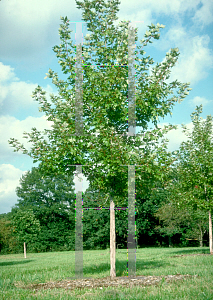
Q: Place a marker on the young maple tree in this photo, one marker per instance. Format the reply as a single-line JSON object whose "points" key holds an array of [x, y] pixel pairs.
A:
{"points": [[103, 139], [195, 168]]}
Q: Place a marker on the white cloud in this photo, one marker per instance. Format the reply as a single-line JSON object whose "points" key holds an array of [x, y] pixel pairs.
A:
{"points": [[196, 58], [9, 180], [204, 15], [196, 101], [7, 73], [15, 95], [176, 137], [165, 6], [149, 11], [28, 27], [10, 127], [38, 21]]}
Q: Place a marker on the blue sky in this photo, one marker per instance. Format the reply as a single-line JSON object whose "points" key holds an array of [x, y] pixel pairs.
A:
{"points": [[29, 30]]}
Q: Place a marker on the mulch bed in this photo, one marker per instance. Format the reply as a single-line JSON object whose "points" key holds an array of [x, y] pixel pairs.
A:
{"points": [[191, 254], [91, 283]]}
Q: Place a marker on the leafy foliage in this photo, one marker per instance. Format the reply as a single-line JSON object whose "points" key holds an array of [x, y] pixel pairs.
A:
{"points": [[26, 226], [105, 101], [96, 223], [146, 221], [51, 199], [196, 162], [9, 243], [188, 223], [104, 148], [191, 187]]}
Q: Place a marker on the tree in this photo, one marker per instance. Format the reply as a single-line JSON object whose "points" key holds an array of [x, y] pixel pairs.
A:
{"points": [[52, 200], [8, 241], [190, 223], [103, 137], [194, 187], [26, 226]]}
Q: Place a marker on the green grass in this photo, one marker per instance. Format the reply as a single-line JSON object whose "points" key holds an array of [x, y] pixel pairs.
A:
{"points": [[44, 267]]}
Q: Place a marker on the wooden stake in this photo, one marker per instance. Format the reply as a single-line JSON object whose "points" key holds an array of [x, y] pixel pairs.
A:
{"points": [[25, 253]]}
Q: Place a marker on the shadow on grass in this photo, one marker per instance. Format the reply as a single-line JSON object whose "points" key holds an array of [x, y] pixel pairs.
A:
{"points": [[11, 263], [121, 267], [192, 251], [147, 265]]}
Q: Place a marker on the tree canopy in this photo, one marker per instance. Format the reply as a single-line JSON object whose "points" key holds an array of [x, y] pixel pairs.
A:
{"points": [[51, 200], [104, 144], [195, 166], [192, 188]]}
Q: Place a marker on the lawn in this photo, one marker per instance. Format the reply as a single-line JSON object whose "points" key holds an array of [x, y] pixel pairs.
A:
{"points": [[17, 272]]}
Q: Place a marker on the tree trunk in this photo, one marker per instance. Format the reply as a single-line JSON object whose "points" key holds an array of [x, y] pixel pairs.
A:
{"points": [[210, 233], [25, 252], [170, 242], [201, 236], [112, 239]]}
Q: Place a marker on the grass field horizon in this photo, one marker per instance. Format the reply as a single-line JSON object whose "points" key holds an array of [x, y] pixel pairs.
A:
{"points": [[17, 272]]}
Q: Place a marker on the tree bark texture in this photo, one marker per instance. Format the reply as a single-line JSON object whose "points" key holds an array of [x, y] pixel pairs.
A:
{"points": [[201, 236]]}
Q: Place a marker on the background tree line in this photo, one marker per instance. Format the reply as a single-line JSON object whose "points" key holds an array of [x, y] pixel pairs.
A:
{"points": [[44, 217]]}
